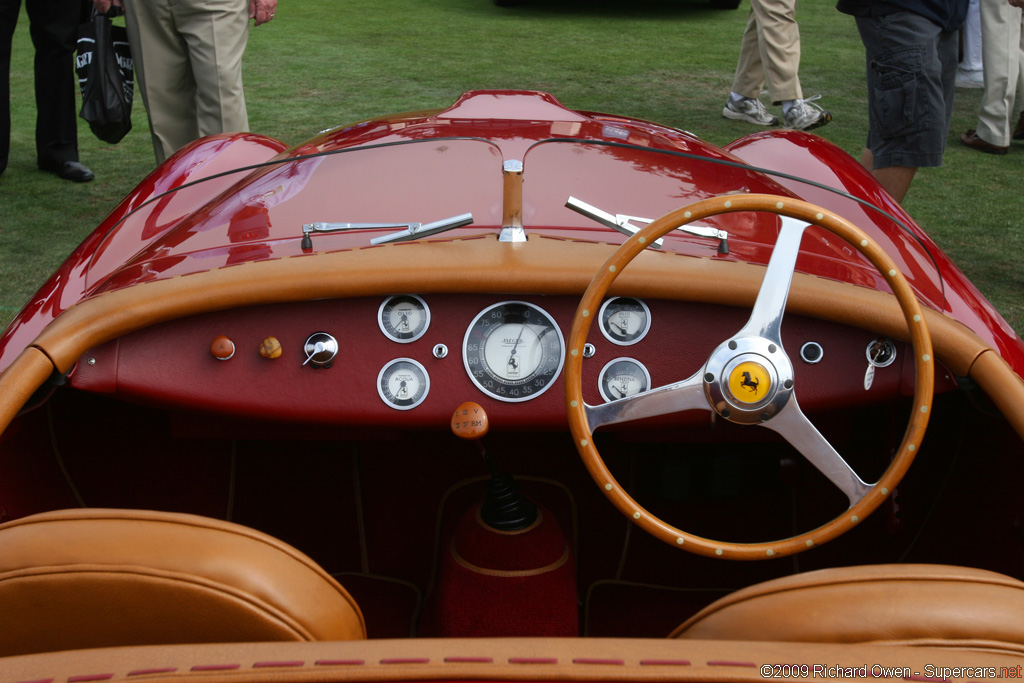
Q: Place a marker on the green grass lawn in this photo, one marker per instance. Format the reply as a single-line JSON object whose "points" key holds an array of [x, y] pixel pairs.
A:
{"points": [[322, 63]]}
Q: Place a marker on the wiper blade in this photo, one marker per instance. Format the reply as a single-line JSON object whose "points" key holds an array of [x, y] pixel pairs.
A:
{"points": [[414, 231], [618, 222], [410, 231], [624, 224]]}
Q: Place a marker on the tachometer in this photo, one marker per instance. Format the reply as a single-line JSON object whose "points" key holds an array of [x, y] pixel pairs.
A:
{"points": [[513, 351]]}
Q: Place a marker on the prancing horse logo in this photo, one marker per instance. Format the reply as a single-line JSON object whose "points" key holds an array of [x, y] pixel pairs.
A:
{"points": [[749, 382]]}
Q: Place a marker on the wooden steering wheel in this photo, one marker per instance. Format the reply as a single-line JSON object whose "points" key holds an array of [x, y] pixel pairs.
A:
{"points": [[753, 355]]}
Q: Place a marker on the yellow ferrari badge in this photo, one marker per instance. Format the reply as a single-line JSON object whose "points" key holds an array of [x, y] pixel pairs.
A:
{"points": [[749, 382]]}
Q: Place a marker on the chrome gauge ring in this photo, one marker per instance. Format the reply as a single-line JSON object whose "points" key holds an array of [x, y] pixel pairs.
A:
{"points": [[403, 318], [513, 351], [403, 384]]}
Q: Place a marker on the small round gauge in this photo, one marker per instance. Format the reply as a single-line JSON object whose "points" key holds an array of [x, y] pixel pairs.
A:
{"points": [[625, 321], [403, 384], [403, 318], [623, 377], [513, 351]]}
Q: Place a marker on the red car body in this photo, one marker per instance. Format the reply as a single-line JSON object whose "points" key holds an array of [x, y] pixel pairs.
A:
{"points": [[211, 346]]}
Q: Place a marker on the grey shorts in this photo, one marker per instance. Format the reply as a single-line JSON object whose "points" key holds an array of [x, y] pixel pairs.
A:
{"points": [[911, 67]]}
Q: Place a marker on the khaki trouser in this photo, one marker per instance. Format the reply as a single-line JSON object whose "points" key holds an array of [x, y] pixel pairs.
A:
{"points": [[188, 64], [770, 52], [1002, 52]]}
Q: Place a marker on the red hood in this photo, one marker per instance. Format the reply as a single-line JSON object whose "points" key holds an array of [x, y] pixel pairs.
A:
{"points": [[422, 167]]}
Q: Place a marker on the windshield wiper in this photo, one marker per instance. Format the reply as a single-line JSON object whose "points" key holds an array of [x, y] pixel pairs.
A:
{"points": [[410, 231], [623, 223]]}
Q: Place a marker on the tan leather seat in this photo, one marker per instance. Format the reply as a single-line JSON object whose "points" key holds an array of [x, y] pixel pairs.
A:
{"points": [[892, 604], [98, 578]]}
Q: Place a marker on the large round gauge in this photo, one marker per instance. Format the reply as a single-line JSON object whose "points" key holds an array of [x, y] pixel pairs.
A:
{"points": [[403, 318], [513, 351], [624, 321], [403, 384], [623, 377]]}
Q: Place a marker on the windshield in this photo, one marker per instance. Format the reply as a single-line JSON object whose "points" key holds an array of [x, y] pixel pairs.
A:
{"points": [[366, 193], [634, 181]]}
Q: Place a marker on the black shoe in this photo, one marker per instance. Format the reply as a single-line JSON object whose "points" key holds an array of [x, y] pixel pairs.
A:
{"points": [[75, 172]]}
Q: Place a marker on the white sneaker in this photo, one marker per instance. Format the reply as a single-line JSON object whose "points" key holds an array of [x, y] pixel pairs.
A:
{"points": [[749, 109], [969, 79], [804, 115]]}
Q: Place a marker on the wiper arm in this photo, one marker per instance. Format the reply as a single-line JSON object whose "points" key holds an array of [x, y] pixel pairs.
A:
{"points": [[618, 222], [411, 231], [623, 224]]}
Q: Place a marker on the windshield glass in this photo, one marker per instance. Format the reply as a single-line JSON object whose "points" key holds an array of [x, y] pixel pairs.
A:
{"points": [[629, 180], [424, 181]]}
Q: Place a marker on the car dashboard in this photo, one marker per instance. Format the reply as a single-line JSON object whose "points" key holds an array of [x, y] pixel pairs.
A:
{"points": [[408, 360]]}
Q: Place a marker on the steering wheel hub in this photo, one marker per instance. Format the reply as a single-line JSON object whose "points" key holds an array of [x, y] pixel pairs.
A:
{"points": [[748, 380]]}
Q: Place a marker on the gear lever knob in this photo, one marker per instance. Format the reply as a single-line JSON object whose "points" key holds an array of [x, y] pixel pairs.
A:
{"points": [[470, 421]]}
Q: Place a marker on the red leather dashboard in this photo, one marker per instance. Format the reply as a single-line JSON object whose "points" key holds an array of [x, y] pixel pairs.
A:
{"points": [[170, 365]]}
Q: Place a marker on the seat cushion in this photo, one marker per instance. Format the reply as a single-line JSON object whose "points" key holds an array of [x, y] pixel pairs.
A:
{"points": [[897, 604], [100, 578]]}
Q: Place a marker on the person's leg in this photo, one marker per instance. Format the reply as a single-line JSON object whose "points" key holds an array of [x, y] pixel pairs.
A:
{"points": [[909, 72], [779, 45], [1018, 130], [54, 30], [1000, 45], [8, 20], [969, 71], [163, 74], [216, 32], [895, 179], [744, 103], [749, 78]]}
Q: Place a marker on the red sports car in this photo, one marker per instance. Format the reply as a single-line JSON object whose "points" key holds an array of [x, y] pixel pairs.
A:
{"points": [[502, 392]]}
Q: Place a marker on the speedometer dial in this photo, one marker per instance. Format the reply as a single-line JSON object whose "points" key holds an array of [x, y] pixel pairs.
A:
{"points": [[513, 351]]}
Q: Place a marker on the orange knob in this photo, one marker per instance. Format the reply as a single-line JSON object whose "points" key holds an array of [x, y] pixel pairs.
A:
{"points": [[222, 348], [470, 421]]}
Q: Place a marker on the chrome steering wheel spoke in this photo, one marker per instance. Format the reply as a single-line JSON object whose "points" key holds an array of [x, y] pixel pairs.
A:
{"points": [[766, 317], [793, 425], [671, 398]]}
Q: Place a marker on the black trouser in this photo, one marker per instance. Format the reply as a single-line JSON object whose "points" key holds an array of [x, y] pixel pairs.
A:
{"points": [[53, 25]]}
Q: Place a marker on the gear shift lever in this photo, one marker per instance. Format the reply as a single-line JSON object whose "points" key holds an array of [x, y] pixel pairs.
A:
{"points": [[504, 507]]}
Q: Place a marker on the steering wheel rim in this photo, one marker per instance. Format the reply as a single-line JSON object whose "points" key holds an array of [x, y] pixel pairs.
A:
{"points": [[870, 497]]}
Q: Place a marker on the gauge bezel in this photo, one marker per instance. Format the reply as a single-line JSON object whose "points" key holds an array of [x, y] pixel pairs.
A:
{"points": [[399, 337], [386, 371], [499, 383], [619, 341], [609, 364]]}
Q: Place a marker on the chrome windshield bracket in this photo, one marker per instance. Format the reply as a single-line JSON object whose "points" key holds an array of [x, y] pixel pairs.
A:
{"points": [[512, 203]]}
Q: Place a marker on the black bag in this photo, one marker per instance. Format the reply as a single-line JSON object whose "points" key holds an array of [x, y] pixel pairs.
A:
{"points": [[106, 78]]}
